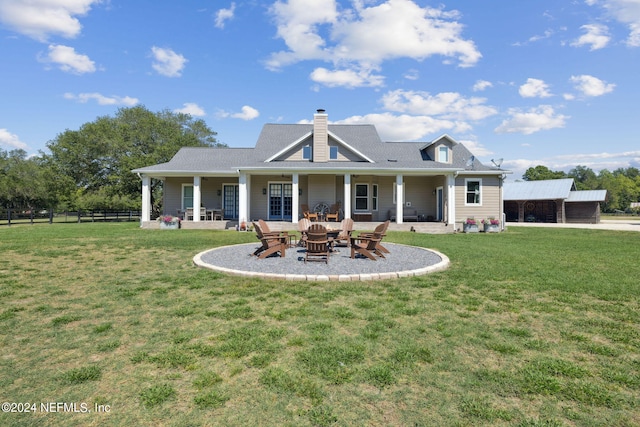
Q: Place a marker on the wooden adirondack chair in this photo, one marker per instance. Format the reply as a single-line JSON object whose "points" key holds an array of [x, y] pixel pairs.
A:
{"points": [[270, 244], [317, 244], [306, 212], [368, 244], [383, 232], [303, 226], [333, 213], [344, 237]]}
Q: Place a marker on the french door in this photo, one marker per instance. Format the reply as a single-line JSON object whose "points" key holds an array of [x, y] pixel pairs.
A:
{"points": [[231, 201], [280, 201]]}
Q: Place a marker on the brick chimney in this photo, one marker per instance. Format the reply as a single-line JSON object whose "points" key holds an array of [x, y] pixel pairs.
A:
{"points": [[320, 136]]}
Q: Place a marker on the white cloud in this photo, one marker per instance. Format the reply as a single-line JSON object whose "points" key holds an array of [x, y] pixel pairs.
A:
{"points": [[534, 120], [223, 15], [481, 85], [591, 86], [83, 98], [405, 127], [192, 109], [167, 62], [346, 78], [40, 19], [596, 36], [447, 105], [534, 88], [364, 37], [626, 12], [68, 60], [247, 113], [11, 140]]}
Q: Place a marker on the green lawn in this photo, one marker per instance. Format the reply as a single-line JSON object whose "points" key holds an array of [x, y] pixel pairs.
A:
{"points": [[532, 327]]}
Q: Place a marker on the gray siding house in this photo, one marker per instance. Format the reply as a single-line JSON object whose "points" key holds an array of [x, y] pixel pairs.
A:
{"points": [[322, 164]]}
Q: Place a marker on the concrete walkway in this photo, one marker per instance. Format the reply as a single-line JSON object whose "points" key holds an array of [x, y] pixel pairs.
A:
{"points": [[605, 224]]}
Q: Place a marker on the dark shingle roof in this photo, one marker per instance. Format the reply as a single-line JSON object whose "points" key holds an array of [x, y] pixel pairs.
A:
{"points": [[276, 137]]}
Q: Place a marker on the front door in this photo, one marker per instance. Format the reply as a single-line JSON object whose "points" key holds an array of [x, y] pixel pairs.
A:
{"points": [[231, 201], [439, 203], [280, 201]]}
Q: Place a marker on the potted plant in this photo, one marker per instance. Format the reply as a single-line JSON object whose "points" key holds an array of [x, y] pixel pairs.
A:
{"points": [[470, 226], [491, 225], [169, 222]]}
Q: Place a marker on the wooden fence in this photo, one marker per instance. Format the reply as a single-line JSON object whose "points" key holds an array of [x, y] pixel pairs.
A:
{"points": [[9, 216]]}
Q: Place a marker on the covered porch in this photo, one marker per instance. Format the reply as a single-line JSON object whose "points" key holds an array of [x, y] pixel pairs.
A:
{"points": [[279, 197]]}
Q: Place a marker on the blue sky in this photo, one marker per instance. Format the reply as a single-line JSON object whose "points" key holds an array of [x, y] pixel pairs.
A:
{"points": [[546, 82]]}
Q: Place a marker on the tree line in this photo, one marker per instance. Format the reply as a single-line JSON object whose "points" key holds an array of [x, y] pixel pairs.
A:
{"points": [[622, 185], [90, 168]]}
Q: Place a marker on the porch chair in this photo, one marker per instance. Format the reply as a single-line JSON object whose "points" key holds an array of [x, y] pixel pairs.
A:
{"points": [[317, 244], [333, 213], [306, 212], [303, 226], [368, 244], [188, 214], [383, 233], [344, 238], [270, 244]]}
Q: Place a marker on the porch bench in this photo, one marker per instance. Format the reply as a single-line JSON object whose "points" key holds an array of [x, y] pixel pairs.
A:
{"points": [[408, 214]]}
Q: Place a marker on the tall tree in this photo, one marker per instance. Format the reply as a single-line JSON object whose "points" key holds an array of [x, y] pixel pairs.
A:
{"points": [[540, 172], [23, 184], [99, 156], [584, 177]]}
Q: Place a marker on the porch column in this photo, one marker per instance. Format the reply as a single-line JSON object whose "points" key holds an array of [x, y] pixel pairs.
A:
{"points": [[146, 198], [296, 197], [399, 199], [243, 203], [197, 198], [347, 195], [451, 200]]}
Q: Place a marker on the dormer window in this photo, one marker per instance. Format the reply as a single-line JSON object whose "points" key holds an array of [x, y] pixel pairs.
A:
{"points": [[333, 152], [443, 154], [306, 152]]}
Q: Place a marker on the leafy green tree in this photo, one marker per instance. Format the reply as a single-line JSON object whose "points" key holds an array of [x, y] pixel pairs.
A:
{"points": [[23, 183], [98, 157], [540, 172], [584, 177]]}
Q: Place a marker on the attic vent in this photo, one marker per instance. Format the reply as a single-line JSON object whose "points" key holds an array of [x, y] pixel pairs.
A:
{"points": [[392, 160]]}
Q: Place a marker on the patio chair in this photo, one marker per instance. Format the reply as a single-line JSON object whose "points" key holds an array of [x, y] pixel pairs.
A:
{"points": [[306, 212], [266, 231], [270, 244], [188, 214], [333, 213], [303, 226], [317, 244], [344, 238], [368, 244], [383, 232]]}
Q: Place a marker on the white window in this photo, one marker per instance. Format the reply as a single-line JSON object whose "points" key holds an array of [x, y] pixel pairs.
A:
{"points": [[473, 192], [374, 197], [187, 196], [443, 154], [362, 197], [333, 152]]}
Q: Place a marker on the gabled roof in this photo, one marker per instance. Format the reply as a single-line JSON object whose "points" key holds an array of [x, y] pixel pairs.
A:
{"points": [[276, 139], [443, 136]]}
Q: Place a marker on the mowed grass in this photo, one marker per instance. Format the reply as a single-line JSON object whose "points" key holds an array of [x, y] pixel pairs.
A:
{"points": [[531, 327]]}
